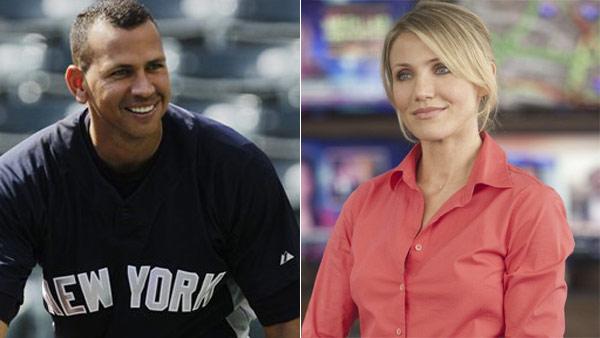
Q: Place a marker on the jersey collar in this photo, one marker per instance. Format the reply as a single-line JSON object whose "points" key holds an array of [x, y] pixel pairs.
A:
{"points": [[164, 175]]}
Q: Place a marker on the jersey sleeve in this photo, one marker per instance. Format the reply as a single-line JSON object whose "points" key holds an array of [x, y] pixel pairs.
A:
{"points": [[331, 310], [263, 244], [276, 308], [16, 247], [539, 242]]}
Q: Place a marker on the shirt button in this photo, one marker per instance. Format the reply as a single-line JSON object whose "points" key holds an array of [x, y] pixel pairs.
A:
{"points": [[418, 247], [398, 332], [401, 287]]}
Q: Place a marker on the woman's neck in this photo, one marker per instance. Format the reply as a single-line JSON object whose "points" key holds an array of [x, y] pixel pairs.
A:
{"points": [[446, 164]]}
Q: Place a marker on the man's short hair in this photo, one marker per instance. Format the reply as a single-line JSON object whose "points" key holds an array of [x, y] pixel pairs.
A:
{"points": [[126, 14]]}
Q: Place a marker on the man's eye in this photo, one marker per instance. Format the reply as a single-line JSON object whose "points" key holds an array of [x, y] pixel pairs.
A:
{"points": [[441, 69], [403, 75], [119, 73], [156, 66]]}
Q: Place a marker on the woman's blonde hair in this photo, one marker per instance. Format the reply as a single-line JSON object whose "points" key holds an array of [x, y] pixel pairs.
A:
{"points": [[461, 41]]}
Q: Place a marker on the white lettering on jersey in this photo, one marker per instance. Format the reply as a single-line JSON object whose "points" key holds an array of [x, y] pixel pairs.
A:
{"points": [[163, 292], [185, 285], [65, 297], [53, 308], [208, 287], [96, 290], [136, 284], [161, 302]]}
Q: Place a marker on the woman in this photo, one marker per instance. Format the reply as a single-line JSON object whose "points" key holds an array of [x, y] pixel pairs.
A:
{"points": [[454, 242]]}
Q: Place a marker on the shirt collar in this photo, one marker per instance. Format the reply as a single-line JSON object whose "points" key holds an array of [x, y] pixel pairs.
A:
{"points": [[490, 167]]}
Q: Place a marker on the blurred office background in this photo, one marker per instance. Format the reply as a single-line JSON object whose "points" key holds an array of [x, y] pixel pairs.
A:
{"points": [[548, 58], [236, 61]]}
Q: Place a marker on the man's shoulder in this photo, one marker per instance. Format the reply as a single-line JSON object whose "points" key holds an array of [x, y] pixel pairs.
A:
{"points": [[36, 151], [212, 138]]}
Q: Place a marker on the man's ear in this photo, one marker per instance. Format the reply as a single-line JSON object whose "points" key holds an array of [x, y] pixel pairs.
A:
{"points": [[74, 78]]}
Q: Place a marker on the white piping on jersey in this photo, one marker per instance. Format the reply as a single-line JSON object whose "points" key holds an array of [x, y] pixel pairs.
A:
{"points": [[242, 314]]}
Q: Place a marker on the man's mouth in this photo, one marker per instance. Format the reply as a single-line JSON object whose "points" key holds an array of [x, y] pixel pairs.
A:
{"points": [[142, 110]]}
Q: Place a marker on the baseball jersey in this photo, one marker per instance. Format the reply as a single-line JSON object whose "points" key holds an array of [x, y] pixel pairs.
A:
{"points": [[207, 232]]}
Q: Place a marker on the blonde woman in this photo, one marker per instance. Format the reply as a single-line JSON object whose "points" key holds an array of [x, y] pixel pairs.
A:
{"points": [[453, 242]]}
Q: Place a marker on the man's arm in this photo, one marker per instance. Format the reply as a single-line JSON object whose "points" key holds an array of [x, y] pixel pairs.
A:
{"points": [[289, 329], [3, 329], [263, 245]]}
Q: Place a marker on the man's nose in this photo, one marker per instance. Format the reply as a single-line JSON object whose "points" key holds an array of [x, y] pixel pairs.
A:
{"points": [[142, 86]]}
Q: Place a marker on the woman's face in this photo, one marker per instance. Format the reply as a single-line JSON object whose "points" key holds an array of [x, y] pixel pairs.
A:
{"points": [[433, 104]]}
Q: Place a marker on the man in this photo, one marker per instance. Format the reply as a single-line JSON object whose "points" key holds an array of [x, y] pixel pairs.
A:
{"points": [[148, 221]]}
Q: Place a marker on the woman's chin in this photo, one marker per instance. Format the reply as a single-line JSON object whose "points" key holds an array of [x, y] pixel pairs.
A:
{"points": [[430, 135]]}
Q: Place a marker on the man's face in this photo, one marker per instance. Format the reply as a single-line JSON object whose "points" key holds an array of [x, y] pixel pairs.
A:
{"points": [[127, 83]]}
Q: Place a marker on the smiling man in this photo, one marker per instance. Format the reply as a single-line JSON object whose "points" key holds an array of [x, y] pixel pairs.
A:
{"points": [[148, 220]]}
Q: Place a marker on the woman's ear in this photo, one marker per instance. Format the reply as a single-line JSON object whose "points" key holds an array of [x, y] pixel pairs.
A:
{"points": [[481, 92], [74, 77]]}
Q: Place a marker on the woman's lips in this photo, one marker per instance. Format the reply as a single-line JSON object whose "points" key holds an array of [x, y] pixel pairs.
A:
{"points": [[427, 112]]}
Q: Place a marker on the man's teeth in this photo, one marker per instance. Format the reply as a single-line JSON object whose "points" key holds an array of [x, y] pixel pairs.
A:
{"points": [[141, 110]]}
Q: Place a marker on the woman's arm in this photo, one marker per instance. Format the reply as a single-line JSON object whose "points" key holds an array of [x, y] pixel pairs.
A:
{"points": [[539, 242], [331, 310]]}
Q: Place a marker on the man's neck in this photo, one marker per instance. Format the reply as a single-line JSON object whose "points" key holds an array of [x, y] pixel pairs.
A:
{"points": [[122, 154]]}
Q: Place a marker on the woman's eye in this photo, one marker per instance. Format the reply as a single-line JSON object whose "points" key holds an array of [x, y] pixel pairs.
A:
{"points": [[403, 76], [441, 69]]}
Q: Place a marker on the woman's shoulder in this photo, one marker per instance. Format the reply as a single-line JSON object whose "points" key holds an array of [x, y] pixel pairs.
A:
{"points": [[531, 195], [371, 190], [526, 183], [381, 183]]}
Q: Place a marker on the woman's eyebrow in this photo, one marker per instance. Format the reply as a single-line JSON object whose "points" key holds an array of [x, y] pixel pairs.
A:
{"points": [[409, 65]]}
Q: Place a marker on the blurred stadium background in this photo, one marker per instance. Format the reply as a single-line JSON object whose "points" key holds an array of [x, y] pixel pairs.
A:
{"points": [[236, 61], [548, 58]]}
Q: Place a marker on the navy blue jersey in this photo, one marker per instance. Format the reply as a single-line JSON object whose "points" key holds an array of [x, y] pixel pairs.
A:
{"points": [[207, 232]]}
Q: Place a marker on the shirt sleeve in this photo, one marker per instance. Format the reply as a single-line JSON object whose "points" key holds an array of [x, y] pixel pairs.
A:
{"points": [[263, 243], [331, 310], [16, 251], [539, 242]]}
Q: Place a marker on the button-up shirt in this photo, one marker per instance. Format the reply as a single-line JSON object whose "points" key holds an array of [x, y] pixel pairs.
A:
{"points": [[490, 262]]}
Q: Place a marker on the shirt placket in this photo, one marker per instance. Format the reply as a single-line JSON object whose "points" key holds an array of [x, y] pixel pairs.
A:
{"points": [[414, 257], [411, 223], [418, 248], [401, 329]]}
